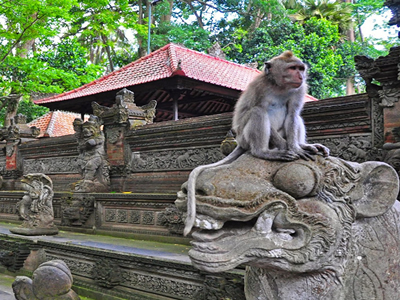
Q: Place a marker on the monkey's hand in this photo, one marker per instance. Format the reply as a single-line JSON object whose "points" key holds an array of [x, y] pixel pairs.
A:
{"points": [[316, 149]]}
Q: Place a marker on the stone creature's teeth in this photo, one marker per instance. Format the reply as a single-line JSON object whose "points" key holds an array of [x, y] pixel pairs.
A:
{"points": [[206, 222]]}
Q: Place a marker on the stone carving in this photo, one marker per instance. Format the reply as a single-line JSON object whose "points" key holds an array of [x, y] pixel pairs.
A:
{"points": [[171, 218], [125, 110], [392, 151], [53, 165], [174, 159], [51, 280], [394, 6], [13, 254], [36, 206], [228, 144], [92, 156], [107, 273], [356, 148], [216, 287], [324, 229], [367, 68], [19, 129], [389, 97], [76, 209]]}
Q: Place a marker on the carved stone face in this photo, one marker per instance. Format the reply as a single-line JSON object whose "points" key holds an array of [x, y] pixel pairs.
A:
{"points": [[292, 216]]}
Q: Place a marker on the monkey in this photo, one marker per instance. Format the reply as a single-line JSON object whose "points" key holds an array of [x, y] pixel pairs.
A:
{"points": [[267, 121]]}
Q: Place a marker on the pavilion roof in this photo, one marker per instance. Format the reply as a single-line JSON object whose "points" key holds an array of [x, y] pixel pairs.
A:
{"points": [[203, 84]]}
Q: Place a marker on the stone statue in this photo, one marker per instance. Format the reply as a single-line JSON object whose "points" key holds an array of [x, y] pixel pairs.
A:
{"points": [[92, 156], [392, 151], [51, 280], [325, 229], [36, 206]]}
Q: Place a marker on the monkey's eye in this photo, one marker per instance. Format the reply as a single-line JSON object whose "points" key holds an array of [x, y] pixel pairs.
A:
{"points": [[292, 67], [302, 68], [297, 179]]}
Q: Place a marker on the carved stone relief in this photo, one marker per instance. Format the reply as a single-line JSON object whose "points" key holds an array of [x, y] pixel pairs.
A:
{"points": [[389, 96], [76, 209], [53, 165], [172, 218], [107, 273], [174, 159], [13, 254], [351, 147]]}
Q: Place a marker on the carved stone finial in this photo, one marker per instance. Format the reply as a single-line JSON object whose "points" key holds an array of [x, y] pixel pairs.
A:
{"points": [[36, 206], [317, 230], [51, 280], [125, 110]]}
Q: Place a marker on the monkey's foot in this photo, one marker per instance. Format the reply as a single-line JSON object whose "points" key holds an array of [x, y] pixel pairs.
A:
{"points": [[277, 154], [316, 149]]}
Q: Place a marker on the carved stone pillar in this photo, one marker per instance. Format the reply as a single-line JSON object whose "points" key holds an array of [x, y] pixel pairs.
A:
{"points": [[13, 135], [385, 90], [118, 120]]}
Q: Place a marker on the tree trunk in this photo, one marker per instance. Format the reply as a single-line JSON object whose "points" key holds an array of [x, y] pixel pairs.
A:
{"points": [[12, 101], [351, 37]]}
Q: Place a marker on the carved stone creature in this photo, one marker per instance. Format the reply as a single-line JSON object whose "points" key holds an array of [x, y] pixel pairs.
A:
{"points": [[325, 229], [92, 156], [52, 280], [36, 206]]}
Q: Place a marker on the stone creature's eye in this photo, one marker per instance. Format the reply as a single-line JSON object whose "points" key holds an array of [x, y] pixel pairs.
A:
{"points": [[296, 179]]}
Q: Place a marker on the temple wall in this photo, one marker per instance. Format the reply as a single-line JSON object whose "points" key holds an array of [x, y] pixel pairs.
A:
{"points": [[149, 164]]}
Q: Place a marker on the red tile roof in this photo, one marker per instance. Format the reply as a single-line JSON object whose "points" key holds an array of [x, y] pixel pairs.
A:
{"points": [[56, 123], [168, 61]]}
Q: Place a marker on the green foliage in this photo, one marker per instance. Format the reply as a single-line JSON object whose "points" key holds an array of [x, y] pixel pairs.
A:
{"points": [[315, 42], [190, 36], [94, 37]]}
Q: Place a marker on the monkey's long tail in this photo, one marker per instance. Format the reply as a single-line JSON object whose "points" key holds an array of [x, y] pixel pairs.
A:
{"points": [[191, 189]]}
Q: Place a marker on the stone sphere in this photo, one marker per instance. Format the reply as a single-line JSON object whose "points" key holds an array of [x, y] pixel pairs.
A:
{"points": [[52, 278], [296, 179]]}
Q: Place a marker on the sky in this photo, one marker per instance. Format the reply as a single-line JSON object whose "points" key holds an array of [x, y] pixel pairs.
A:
{"points": [[376, 20]]}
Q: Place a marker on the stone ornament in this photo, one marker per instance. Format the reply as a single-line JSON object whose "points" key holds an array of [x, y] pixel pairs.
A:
{"points": [[76, 209], [36, 206], [51, 280], [126, 111], [325, 229], [228, 144], [92, 156]]}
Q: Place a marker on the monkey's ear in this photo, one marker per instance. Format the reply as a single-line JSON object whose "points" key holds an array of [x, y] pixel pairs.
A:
{"points": [[267, 66]]}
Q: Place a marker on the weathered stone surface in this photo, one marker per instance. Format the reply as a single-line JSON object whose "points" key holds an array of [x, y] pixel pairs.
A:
{"points": [[51, 280], [36, 206], [324, 229]]}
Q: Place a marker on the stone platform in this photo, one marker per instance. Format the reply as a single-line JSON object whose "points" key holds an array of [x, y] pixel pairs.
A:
{"points": [[112, 268]]}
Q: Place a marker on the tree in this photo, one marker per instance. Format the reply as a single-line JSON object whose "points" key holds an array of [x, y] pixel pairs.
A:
{"points": [[23, 22], [314, 42]]}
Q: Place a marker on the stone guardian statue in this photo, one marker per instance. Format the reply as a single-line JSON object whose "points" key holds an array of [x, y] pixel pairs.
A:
{"points": [[36, 206], [327, 229]]}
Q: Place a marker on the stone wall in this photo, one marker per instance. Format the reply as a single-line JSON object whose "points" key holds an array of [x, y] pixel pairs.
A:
{"points": [[149, 164]]}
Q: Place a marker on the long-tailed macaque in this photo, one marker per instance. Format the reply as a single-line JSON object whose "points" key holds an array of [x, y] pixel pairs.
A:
{"points": [[267, 121]]}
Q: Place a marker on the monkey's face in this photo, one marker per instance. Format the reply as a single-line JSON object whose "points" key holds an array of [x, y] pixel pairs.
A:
{"points": [[294, 75], [292, 216]]}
